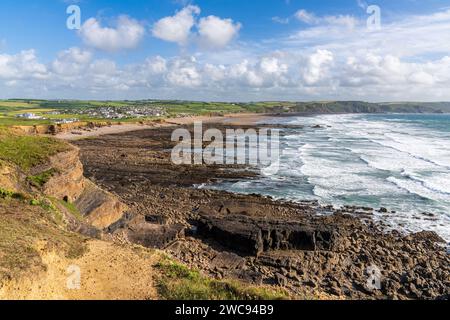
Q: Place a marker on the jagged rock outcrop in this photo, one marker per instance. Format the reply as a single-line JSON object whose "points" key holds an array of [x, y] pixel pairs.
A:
{"points": [[67, 183], [252, 235], [100, 207], [151, 231]]}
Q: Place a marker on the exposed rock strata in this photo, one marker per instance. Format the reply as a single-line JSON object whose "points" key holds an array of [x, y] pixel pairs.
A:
{"points": [[100, 207], [253, 236]]}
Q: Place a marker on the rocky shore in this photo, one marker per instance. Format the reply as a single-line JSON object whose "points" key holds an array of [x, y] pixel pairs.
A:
{"points": [[310, 250]]}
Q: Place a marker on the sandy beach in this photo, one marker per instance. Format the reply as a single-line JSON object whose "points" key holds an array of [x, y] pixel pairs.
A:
{"points": [[230, 119]]}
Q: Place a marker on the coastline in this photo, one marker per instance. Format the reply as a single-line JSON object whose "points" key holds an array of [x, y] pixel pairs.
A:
{"points": [[238, 119], [220, 233]]}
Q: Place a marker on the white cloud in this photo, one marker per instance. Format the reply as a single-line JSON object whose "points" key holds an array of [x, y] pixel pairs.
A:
{"points": [[184, 73], [156, 65], [22, 65], [273, 66], [178, 27], [71, 61], [337, 20], [127, 34], [212, 32], [410, 36], [306, 17], [281, 20], [317, 67], [216, 32], [335, 58]]}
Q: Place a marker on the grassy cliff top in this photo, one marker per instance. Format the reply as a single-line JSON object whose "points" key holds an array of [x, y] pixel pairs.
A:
{"points": [[28, 151]]}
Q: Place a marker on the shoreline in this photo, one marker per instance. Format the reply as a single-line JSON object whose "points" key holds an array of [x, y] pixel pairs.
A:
{"points": [[244, 119], [252, 237]]}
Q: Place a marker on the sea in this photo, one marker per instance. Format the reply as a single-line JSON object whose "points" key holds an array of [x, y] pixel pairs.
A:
{"points": [[395, 161]]}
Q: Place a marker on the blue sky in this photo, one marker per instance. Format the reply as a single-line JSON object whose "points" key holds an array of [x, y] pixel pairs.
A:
{"points": [[225, 50]]}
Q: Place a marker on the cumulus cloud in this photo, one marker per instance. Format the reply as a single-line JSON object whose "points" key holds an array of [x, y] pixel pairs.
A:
{"points": [[71, 61], [211, 32], [325, 60], [216, 32], [127, 34], [178, 27], [317, 67], [317, 75], [184, 73], [22, 65]]}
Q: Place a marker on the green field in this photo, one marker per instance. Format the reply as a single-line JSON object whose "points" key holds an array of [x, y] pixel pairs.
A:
{"points": [[73, 109], [10, 109]]}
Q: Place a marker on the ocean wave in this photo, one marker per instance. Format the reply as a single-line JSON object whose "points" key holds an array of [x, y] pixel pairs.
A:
{"points": [[437, 182], [417, 188], [371, 162]]}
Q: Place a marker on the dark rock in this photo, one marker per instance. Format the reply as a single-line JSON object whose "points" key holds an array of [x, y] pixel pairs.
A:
{"points": [[156, 236], [427, 236], [281, 280], [250, 235], [88, 231], [228, 260], [310, 283], [156, 219], [427, 214]]}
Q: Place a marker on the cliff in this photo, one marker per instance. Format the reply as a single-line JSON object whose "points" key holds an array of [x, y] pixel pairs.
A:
{"points": [[67, 183], [38, 167]]}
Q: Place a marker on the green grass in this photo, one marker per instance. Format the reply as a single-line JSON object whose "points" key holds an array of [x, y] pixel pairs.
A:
{"points": [[72, 209], [10, 108], [8, 194], [28, 151], [41, 179], [178, 282]]}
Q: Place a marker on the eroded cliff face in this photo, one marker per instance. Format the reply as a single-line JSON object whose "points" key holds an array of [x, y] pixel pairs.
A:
{"points": [[100, 208], [8, 177], [67, 183]]}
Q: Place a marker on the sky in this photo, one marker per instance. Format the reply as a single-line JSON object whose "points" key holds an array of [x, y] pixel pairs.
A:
{"points": [[226, 50]]}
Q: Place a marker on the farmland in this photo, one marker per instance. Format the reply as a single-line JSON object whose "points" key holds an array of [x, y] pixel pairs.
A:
{"points": [[43, 112]]}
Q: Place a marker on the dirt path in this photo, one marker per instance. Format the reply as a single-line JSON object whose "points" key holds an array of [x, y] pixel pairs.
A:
{"points": [[107, 272]]}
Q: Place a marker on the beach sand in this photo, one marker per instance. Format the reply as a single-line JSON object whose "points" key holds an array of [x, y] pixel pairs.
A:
{"points": [[230, 119]]}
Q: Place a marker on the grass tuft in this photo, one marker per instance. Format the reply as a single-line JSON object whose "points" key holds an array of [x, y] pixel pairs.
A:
{"points": [[9, 194], [178, 282], [41, 179]]}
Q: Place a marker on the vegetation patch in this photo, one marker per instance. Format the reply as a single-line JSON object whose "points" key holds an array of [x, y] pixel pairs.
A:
{"points": [[73, 210], [22, 228], [28, 151], [178, 282], [41, 179], [9, 194]]}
